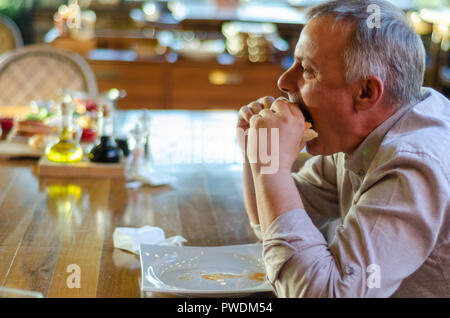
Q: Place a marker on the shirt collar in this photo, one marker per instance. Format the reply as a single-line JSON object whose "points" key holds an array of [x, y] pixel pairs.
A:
{"points": [[359, 161]]}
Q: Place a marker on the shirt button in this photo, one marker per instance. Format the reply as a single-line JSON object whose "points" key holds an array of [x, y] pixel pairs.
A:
{"points": [[349, 270], [361, 173]]}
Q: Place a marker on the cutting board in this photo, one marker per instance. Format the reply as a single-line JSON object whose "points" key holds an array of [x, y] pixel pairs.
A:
{"points": [[81, 169], [10, 150]]}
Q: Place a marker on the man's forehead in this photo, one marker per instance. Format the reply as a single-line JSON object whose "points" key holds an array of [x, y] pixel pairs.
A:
{"points": [[322, 37]]}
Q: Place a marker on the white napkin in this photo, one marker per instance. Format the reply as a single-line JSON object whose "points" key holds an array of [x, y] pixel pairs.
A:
{"points": [[148, 177], [130, 239]]}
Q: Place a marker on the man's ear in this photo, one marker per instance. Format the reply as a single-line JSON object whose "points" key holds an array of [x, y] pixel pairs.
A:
{"points": [[368, 93]]}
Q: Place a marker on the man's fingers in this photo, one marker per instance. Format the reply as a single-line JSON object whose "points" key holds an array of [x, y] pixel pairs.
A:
{"points": [[266, 101], [254, 120], [256, 107], [264, 116], [245, 112], [295, 110], [266, 113], [280, 106], [283, 106]]}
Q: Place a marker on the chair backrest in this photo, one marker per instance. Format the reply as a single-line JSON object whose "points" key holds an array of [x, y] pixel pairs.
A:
{"points": [[10, 36], [38, 72]]}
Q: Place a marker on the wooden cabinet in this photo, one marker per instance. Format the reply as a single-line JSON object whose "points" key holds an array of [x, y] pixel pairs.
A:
{"points": [[144, 82], [187, 84], [221, 86]]}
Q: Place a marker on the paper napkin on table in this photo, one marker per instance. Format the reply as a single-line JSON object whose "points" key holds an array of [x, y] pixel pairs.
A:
{"points": [[148, 177], [129, 239]]}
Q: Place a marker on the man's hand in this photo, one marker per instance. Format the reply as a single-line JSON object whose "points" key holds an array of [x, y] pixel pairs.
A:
{"points": [[288, 119], [245, 113], [276, 192], [243, 124]]}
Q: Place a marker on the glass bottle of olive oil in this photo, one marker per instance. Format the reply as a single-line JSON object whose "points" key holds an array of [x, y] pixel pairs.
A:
{"points": [[66, 149]]}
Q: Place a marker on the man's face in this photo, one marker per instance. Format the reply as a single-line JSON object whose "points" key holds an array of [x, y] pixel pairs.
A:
{"points": [[316, 81]]}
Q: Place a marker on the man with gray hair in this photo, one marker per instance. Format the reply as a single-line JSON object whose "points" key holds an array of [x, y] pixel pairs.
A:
{"points": [[380, 162]]}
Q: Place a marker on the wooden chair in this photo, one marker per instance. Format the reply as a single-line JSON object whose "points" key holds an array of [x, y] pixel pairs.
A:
{"points": [[38, 72], [10, 36]]}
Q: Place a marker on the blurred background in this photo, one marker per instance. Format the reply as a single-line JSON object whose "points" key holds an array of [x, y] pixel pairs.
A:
{"points": [[197, 54]]}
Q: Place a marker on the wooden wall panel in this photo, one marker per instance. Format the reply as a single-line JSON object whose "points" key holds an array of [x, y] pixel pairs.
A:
{"points": [[187, 84]]}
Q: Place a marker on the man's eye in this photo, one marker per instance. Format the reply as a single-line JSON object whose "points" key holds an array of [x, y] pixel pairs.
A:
{"points": [[307, 71]]}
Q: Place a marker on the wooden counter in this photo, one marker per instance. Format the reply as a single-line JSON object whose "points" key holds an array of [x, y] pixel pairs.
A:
{"points": [[47, 224]]}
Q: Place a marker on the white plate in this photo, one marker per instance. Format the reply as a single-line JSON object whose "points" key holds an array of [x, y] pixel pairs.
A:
{"points": [[233, 270]]}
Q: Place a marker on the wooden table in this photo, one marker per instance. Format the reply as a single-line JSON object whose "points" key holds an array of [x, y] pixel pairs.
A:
{"points": [[47, 224]]}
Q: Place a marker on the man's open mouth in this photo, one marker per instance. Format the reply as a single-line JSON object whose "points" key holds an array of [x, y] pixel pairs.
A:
{"points": [[306, 114]]}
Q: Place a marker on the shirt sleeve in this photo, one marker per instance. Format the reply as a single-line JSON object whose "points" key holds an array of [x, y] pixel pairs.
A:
{"points": [[257, 230], [386, 236], [316, 182]]}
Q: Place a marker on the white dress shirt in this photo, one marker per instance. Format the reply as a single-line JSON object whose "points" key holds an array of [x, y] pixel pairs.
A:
{"points": [[392, 195]]}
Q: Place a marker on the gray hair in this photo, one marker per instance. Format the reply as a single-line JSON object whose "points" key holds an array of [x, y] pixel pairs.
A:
{"points": [[392, 50]]}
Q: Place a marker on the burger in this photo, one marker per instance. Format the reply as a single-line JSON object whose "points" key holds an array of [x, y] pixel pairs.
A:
{"points": [[309, 133]]}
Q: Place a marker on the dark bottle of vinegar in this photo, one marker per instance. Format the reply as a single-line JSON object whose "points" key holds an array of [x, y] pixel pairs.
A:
{"points": [[106, 150]]}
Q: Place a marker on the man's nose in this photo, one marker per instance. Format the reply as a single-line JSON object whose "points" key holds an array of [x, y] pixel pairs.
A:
{"points": [[287, 83]]}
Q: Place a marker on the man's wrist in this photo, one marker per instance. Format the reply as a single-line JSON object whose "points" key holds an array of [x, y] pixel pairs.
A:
{"points": [[276, 195], [280, 173]]}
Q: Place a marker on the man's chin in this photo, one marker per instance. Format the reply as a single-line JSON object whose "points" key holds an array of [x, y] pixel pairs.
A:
{"points": [[313, 147]]}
